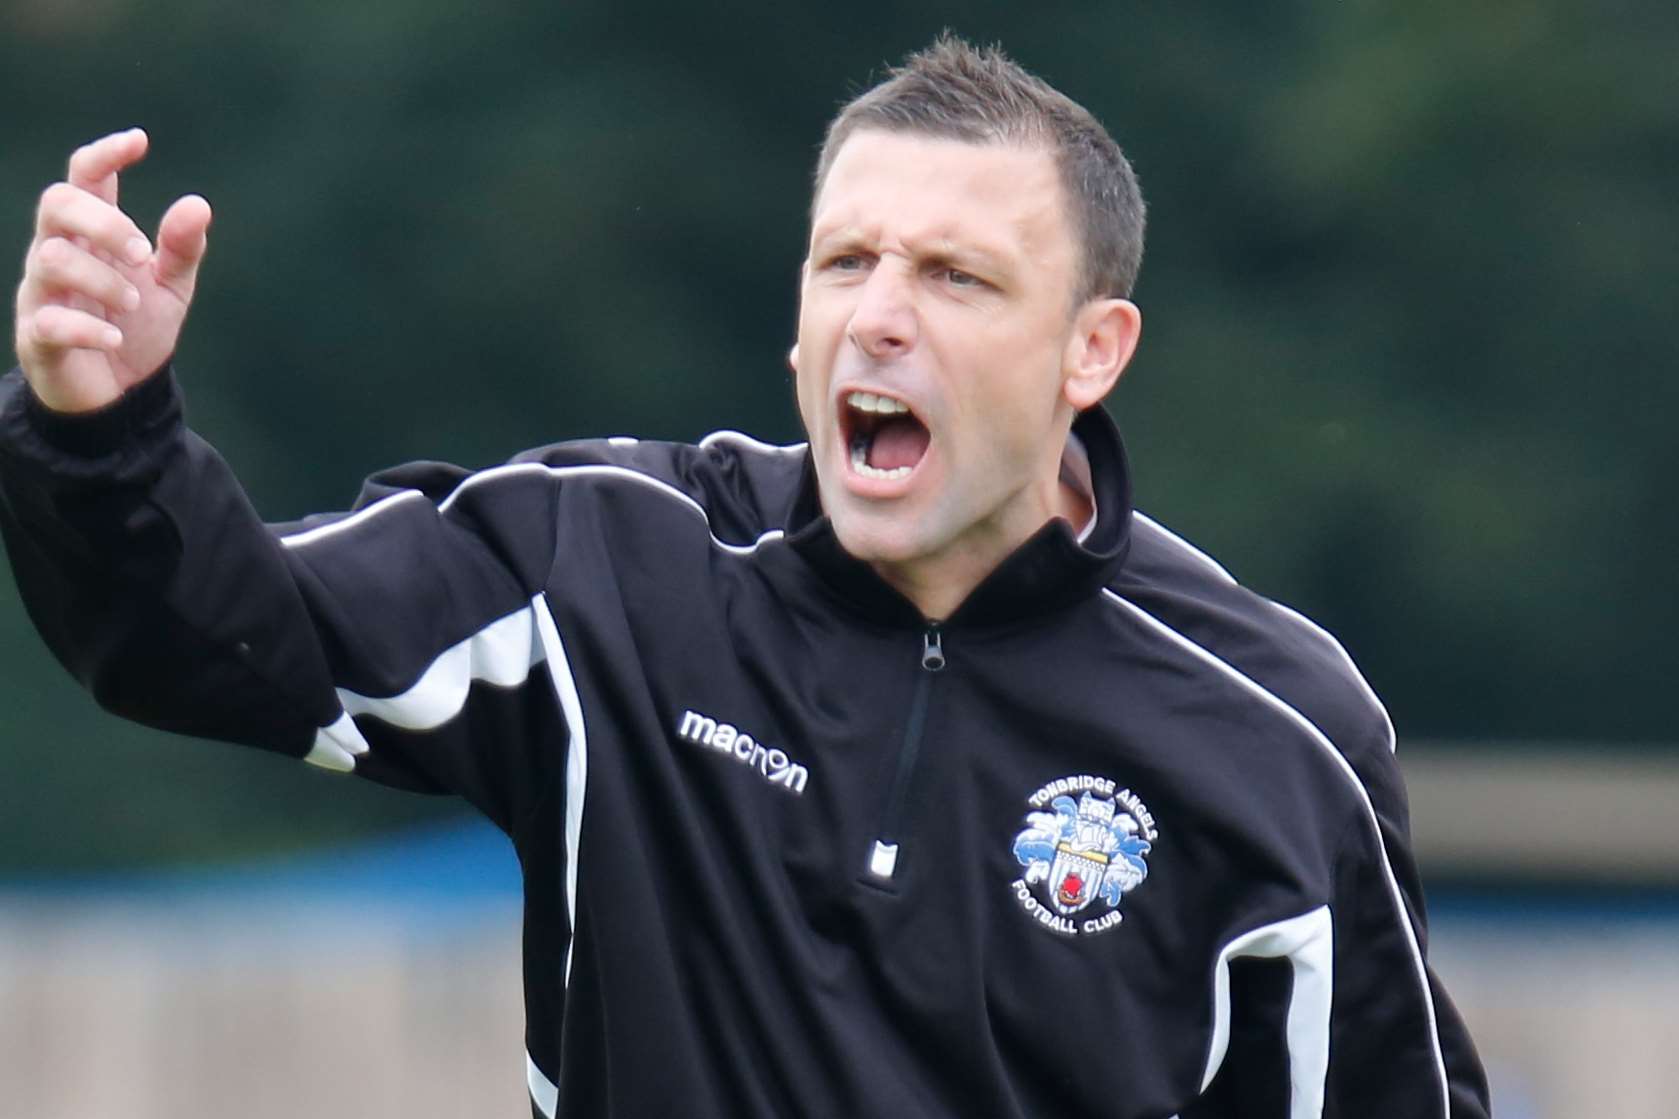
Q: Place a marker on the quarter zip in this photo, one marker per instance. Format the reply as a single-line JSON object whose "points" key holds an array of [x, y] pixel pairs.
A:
{"points": [[883, 858]]}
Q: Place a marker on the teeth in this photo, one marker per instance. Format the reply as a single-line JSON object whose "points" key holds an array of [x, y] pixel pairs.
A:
{"points": [[868, 471], [859, 463], [869, 402]]}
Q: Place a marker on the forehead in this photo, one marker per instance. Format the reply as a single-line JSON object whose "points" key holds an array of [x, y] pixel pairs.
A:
{"points": [[1001, 197]]}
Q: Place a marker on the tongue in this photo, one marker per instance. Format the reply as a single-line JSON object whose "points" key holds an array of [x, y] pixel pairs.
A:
{"points": [[899, 441]]}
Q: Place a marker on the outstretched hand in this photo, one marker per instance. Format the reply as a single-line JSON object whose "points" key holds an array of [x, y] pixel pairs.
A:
{"points": [[100, 309]]}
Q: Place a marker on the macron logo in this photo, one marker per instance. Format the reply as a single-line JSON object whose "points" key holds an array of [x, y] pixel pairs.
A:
{"points": [[770, 761]]}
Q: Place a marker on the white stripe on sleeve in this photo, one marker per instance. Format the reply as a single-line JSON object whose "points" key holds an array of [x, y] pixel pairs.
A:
{"points": [[1308, 943], [544, 1092], [502, 653]]}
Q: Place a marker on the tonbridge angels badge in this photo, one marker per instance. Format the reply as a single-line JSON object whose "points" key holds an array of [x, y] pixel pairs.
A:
{"points": [[1082, 849]]}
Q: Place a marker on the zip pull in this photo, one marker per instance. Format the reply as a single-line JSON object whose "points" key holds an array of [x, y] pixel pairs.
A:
{"points": [[883, 857], [932, 649]]}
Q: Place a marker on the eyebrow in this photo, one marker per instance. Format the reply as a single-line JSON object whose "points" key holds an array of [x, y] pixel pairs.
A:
{"points": [[974, 255], [840, 236], [943, 250]]}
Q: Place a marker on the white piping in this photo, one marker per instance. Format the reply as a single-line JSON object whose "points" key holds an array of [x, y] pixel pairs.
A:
{"points": [[1346, 659], [727, 436], [309, 536], [601, 470], [1347, 770], [1300, 619], [576, 761], [1189, 549]]}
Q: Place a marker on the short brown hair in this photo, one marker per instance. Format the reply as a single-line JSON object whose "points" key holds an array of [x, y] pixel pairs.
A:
{"points": [[956, 91]]}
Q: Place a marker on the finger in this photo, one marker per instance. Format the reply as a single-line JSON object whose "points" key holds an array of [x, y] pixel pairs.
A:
{"points": [[71, 212], [182, 238], [57, 265], [57, 327], [94, 166]]}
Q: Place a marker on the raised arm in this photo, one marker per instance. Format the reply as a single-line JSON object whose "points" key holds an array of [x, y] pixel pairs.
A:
{"points": [[152, 579]]}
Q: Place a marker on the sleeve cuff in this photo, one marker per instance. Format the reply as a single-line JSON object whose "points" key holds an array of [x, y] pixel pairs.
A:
{"points": [[104, 432]]}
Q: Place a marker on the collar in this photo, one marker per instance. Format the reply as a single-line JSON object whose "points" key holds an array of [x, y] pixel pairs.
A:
{"points": [[1054, 568]]}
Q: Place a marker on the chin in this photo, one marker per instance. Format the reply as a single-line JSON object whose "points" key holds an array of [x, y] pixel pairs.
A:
{"points": [[881, 537]]}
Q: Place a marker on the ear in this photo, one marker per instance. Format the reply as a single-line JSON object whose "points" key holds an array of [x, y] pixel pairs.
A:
{"points": [[1104, 336], [793, 358]]}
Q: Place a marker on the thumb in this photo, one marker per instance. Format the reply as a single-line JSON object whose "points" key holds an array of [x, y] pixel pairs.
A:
{"points": [[182, 237]]}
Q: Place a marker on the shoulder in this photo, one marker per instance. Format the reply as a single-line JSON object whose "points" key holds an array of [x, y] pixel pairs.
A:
{"points": [[737, 487], [740, 486], [1281, 656]]}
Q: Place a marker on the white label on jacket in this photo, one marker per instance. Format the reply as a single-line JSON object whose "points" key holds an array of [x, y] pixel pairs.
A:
{"points": [[1081, 852], [771, 762]]}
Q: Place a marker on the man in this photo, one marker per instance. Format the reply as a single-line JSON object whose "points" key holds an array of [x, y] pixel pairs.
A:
{"points": [[904, 773]]}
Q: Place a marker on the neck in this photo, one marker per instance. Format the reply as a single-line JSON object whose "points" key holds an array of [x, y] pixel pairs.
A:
{"points": [[938, 584]]}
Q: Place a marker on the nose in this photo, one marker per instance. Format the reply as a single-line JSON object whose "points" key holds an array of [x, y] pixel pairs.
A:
{"points": [[883, 324]]}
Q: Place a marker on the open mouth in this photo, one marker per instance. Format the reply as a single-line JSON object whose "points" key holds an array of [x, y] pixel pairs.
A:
{"points": [[885, 439]]}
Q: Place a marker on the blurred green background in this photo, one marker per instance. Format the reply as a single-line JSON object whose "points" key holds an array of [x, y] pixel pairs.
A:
{"points": [[1408, 362]]}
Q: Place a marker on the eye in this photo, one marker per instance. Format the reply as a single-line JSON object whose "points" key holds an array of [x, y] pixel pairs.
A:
{"points": [[955, 277], [848, 262]]}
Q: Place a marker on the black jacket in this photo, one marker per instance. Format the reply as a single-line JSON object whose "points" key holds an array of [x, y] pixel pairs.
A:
{"points": [[1119, 838]]}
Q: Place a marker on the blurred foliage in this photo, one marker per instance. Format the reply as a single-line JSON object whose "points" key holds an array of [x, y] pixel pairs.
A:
{"points": [[1407, 364]]}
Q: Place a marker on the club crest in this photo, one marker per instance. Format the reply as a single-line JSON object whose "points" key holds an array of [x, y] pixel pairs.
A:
{"points": [[1082, 849]]}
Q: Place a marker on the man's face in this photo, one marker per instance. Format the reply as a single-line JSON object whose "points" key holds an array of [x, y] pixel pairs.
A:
{"points": [[940, 280]]}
